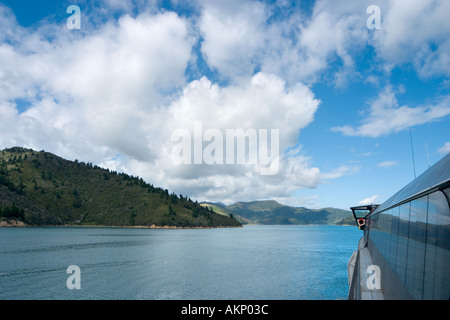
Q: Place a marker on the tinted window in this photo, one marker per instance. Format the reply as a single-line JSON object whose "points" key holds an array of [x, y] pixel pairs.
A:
{"points": [[402, 242], [393, 239], [437, 255], [416, 247]]}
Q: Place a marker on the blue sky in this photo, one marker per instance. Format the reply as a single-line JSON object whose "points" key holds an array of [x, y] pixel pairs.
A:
{"points": [[346, 99]]}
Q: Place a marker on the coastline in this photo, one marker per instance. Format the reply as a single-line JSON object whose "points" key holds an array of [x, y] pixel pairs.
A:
{"points": [[21, 224], [12, 224]]}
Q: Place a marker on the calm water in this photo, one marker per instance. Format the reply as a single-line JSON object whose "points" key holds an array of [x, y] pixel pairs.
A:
{"points": [[254, 262]]}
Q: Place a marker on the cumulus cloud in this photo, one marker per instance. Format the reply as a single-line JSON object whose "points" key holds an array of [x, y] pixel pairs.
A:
{"points": [[369, 200], [445, 148], [233, 35], [115, 95], [240, 37], [386, 116], [103, 89], [340, 171], [409, 35], [406, 37], [262, 102], [387, 164]]}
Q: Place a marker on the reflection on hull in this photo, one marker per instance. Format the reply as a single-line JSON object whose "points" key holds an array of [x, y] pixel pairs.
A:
{"points": [[405, 250]]}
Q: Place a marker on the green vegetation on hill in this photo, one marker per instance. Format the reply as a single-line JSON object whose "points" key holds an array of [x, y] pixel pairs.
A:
{"points": [[40, 188], [222, 209], [272, 212]]}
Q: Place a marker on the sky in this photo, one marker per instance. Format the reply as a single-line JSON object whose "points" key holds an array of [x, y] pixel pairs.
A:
{"points": [[351, 104]]}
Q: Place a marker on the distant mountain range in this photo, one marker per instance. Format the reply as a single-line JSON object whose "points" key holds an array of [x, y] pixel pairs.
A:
{"points": [[39, 188], [272, 212]]}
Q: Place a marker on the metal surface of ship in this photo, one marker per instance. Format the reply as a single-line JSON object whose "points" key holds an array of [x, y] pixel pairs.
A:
{"points": [[405, 250]]}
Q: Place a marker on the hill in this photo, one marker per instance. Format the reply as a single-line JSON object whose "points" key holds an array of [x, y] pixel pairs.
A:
{"points": [[40, 188], [220, 208], [272, 212]]}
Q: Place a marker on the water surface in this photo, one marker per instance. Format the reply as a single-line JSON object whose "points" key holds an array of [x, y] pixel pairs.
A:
{"points": [[254, 262]]}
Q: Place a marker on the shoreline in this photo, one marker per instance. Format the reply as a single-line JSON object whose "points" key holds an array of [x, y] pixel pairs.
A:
{"points": [[21, 224]]}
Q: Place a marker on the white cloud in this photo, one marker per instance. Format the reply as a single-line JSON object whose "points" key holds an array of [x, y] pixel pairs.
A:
{"points": [[241, 37], [233, 35], [409, 35], [262, 102], [387, 164], [367, 201], [445, 148], [334, 32], [114, 96], [97, 93], [367, 154], [340, 171], [386, 116]]}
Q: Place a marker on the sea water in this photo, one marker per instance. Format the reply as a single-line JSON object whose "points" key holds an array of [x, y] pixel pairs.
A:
{"points": [[281, 262]]}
